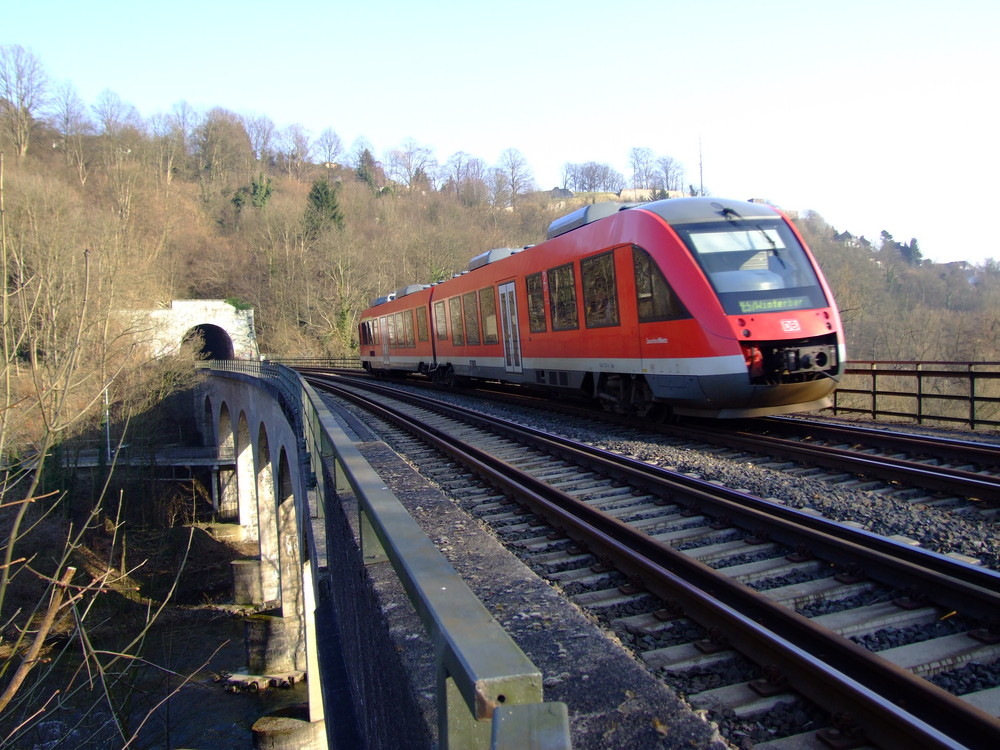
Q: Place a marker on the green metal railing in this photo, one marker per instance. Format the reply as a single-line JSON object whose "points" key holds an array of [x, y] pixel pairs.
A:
{"points": [[924, 392], [489, 694]]}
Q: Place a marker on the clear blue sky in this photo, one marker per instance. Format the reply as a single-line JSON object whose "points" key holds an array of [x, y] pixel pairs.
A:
{"points": [[878, 114]]}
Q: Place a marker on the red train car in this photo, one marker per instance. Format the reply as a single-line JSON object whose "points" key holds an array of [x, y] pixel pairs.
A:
{"points": [[700, 306]]}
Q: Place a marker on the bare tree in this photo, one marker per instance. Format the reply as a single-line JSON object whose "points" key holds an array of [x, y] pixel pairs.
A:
{"points": [[70, 118], [569, 175], [296, 149], [23, 90], [466, 176], [498, 188], [516, 174], [223, 147], [114, 115], [329, 145], [184, 119], [411, 161], [592, 177], [121, 138], [641, 161], [261, 130], [670, 173]]}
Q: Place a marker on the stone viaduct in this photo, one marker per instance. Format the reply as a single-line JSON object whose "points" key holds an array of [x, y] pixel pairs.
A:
{"points": [[264, 492]]}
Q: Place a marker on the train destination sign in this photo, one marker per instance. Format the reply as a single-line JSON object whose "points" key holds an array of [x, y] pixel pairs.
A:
{"points": [[748, 306]]}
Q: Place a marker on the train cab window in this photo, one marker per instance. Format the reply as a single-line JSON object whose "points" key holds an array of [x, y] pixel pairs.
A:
{"points": [[600, 293], [455, 313], [655, 299], [422, 333], [470, 308], [440, 322], [488, 314], [562, 298], [754, 266], [536, 303], [408, 329]]}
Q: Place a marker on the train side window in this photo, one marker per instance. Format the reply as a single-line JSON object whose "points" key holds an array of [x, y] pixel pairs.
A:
{"points": [[600, 292], [470, 308], [380, 327], [391, 330], [562, 298], [536, 303], [488, 314], [400, 330], [440, 321], [422, 331], [408, 329], [455, 313], [655, 298]]}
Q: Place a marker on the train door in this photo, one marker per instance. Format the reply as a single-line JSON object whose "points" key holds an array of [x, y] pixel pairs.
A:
{"points": [[383, 324], [509, 330]]}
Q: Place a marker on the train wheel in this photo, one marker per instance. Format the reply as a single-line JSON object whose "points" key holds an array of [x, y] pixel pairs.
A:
{"points": [[641, 398]]}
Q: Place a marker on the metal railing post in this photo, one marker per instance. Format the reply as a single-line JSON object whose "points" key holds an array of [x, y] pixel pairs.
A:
{"points": [[874, 391], [920, 394], [972, 395]]}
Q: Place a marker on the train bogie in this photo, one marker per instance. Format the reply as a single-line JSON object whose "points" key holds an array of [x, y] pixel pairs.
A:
{"points": [[698, 306]]}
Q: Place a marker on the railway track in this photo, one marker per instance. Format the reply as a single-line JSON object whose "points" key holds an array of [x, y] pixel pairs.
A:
{"points": [[697, 577], [929, 470]]}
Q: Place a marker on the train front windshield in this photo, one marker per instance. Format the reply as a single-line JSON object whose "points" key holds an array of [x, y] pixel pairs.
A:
{"points": [[754, 266]]}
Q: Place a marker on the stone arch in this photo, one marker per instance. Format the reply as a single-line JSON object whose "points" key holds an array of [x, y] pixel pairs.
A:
{"points": [[216, 343], [229, 496], [290, 560], [246, 479], [267, 520]]}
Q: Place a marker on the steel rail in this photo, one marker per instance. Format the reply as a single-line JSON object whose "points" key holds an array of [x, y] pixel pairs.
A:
{"points": [[866, 686], [944, 448], [943, 478]]}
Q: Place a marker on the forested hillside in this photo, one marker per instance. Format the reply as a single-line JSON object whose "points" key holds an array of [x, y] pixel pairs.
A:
{"points": [[225, 205]]}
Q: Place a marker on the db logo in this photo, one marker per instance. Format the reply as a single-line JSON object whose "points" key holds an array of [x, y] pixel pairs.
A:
{"points": [[790, 325]]}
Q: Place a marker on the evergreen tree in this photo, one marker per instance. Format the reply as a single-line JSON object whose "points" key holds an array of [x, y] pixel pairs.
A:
{"points": [[366, 169], [323, 208], [911, 253]]}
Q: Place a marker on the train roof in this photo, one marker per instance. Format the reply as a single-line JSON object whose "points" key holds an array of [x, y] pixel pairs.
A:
{"points": [[401, 292], [492, 256], [585, 215], [672, 210]]}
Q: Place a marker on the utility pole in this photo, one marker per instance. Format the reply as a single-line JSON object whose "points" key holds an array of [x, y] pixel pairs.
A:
{"points": [[701, 171]]}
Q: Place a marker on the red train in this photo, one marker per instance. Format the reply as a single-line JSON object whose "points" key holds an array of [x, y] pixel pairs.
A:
{"points": [[698, 306]]}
